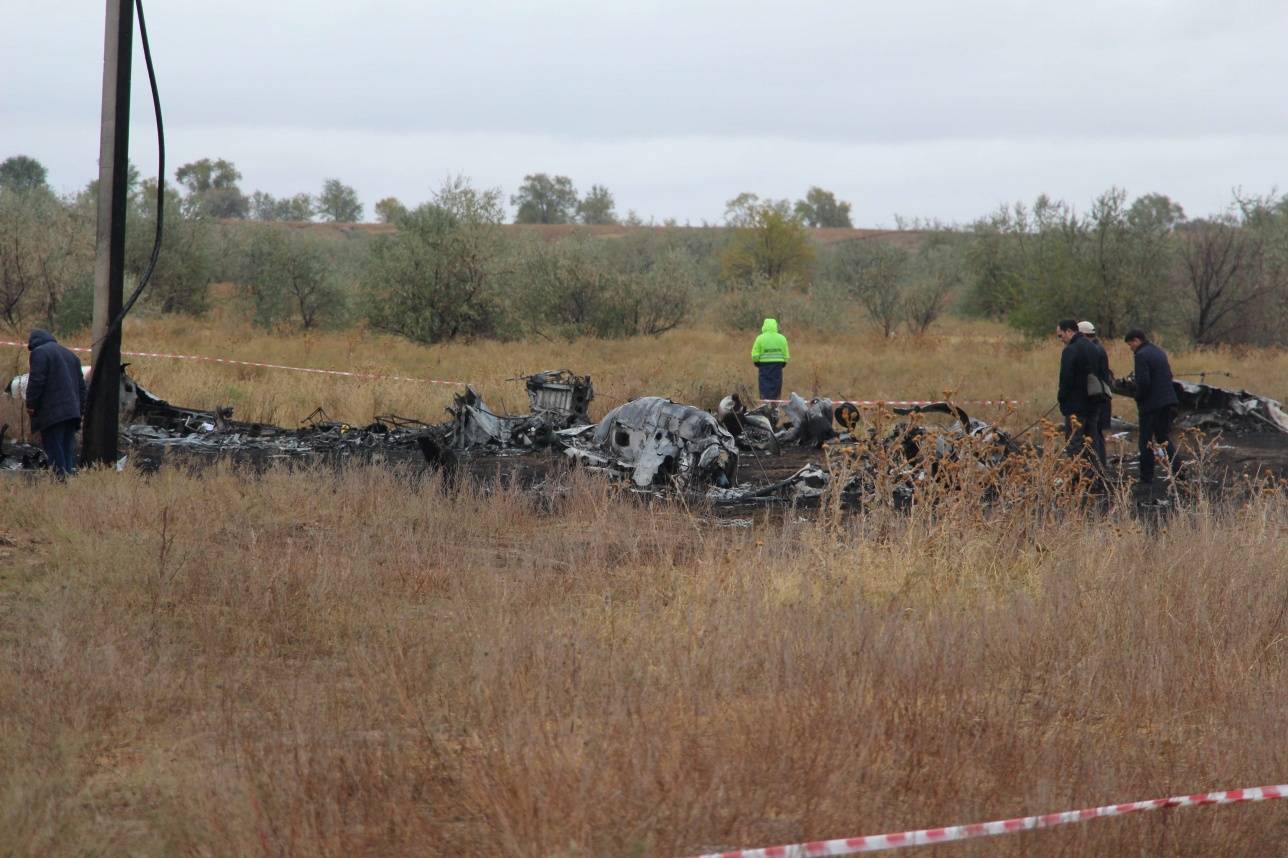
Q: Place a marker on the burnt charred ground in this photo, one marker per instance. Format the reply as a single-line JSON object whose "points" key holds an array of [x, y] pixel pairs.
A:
{"points": [[1250, 453], [1226, 461], [733, 458], [905, 459], [1225, 453]]}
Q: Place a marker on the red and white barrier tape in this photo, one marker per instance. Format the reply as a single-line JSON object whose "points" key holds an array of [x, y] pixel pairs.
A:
{"points": [[372, 375], [927, 836], [232, 362], [901, 402]]}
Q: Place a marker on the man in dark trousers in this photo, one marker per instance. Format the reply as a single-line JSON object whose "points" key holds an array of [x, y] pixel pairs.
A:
{"points": [[770, 354], [1155, 401], [1083, 368], [55, 399], [1088, 330]]}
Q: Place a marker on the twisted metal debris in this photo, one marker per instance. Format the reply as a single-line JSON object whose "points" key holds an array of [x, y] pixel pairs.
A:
{"points": [[651, 444]]}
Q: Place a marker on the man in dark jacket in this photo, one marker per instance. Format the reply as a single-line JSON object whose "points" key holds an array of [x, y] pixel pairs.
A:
{"points": [[55, 399], [1088, 330], [1155, 401], [1080, 362]]}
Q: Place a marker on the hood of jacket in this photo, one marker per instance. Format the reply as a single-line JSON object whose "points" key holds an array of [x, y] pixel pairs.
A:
{"points": [[769, 327], [38, 338]]}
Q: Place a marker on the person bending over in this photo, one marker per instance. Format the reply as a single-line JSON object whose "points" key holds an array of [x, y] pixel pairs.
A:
{"points": [[55, 399]]}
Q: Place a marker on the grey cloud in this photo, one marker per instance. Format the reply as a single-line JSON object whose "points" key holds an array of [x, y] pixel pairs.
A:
{"points": [[852, 72], [931, 108]]}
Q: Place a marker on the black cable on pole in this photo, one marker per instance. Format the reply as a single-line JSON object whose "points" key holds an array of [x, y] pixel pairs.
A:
{"points": [[156, 242]]}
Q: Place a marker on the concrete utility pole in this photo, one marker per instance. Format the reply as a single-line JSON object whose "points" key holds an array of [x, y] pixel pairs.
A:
{"points": [[103, 410]]}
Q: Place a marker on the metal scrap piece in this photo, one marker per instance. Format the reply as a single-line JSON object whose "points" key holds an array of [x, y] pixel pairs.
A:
{"points": [[474, 424], [1207, 406], [1204, 406], [562, 394], [558, 399], [1203, 403], [809, 423], [752, 430], [19, 456], [657, 439]]}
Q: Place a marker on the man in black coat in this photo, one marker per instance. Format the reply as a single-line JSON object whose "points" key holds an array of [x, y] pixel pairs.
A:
{"points": [[1155, 400], [1088, 330], [1080, 362], [55, 399]]}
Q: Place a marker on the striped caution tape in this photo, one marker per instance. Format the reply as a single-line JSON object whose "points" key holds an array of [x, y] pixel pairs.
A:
{"points": [[902, 402], [230, 361], [927, 836], [379, 376]]}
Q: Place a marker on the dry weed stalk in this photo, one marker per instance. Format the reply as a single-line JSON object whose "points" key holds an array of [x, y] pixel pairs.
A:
{"points": [[361, 663]]}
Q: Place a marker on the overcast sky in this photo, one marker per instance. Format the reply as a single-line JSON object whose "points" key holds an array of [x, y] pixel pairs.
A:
{"points": [[937, 108]]}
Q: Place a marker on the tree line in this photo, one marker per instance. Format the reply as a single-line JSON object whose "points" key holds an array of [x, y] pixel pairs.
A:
{"points": [[450, 270], [1140, 263], [212, 188]]}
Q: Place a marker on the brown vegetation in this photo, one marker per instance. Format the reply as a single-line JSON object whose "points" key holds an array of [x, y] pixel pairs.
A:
{"points": [[972, 360], [353, 665], [366, 664]]}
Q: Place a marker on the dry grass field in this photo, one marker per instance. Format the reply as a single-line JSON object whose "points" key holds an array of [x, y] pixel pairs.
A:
{"points": [[970, 360], [362, 663]]}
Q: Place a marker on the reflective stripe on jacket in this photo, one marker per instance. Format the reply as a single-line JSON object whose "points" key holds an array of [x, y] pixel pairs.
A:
{"points": [[770, 346]]}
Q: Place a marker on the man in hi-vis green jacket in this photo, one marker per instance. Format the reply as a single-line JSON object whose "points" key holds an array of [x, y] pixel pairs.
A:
{"points": [[770, 354]]}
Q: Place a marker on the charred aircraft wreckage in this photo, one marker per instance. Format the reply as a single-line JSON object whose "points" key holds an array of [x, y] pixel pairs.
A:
{"points": [[651, 444]]}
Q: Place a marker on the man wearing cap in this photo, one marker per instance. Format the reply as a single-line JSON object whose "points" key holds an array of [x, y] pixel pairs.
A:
{"points": [[1088, 330], [55, 399], [1082, 367], [1155, 401]]}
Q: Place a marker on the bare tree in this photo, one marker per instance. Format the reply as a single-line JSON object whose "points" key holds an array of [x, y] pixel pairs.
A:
{"points": [[935, 272], [874, 274], [15, 279], [1219, 261], [46, 247]]}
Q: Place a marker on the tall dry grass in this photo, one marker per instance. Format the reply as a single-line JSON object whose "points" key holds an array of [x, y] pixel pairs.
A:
{"points": [[971, 360], [365, 664]]}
